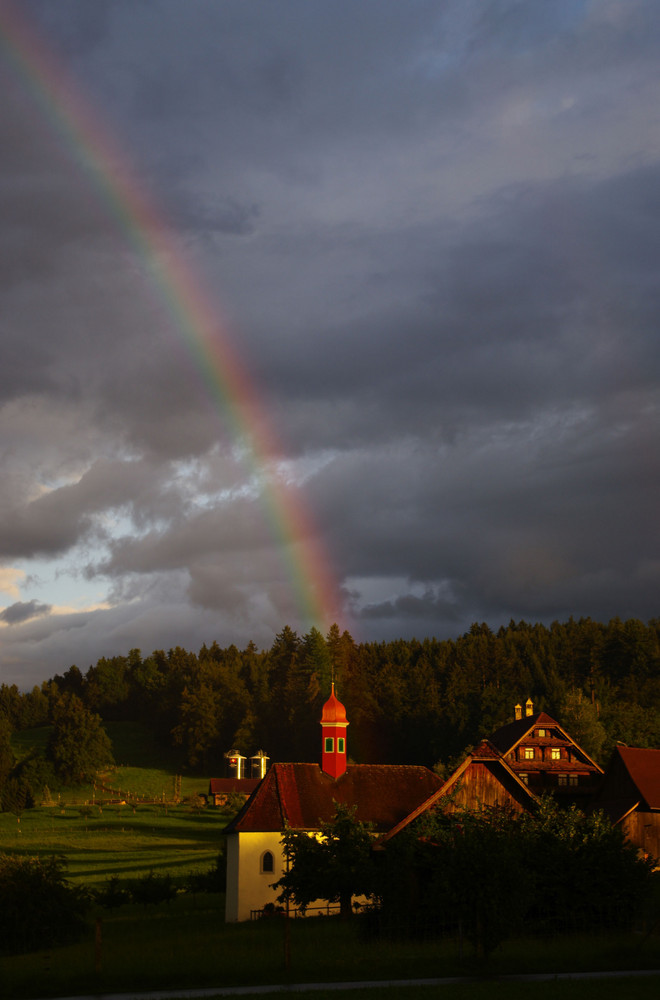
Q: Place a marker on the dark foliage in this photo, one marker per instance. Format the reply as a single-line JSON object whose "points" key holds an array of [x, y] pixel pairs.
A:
{"points": [[37, 906], [335, 866], [152, 888], [409, 701], [213, 880], [78, 745], [488, 875], [113, 894]]}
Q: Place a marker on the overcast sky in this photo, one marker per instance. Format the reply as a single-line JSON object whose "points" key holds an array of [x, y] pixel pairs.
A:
{"points": [[431, 231]]}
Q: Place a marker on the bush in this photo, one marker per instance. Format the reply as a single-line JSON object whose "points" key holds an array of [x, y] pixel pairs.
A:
{"points": [[153, 889], [212, 880], [113, 894], [37, 906], [490, 874]]}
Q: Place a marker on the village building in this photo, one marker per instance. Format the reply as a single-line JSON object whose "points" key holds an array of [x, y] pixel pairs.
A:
{"points": [[237, 781], [530, 756], [630, 796], [483, 780], [546, 758], [222, 789], [304, 796]]}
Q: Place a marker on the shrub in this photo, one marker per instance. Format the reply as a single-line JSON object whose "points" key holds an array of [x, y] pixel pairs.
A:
{"points": [[113, 894], [153, 889], [37, 906], [212, 880]]}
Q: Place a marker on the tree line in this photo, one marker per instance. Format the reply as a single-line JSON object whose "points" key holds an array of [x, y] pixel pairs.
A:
{"points": [[408, 700]]}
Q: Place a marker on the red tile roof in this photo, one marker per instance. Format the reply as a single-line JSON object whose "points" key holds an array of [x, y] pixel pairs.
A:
{"points": [[224, 786], [643, 766], [303, 797]]}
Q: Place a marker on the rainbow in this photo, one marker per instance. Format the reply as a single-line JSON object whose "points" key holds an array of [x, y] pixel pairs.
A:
{"points": [[192, 312]]}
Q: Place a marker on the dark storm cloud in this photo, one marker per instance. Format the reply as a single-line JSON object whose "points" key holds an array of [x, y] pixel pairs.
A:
{"points": [[432, 230], [22, 611]]}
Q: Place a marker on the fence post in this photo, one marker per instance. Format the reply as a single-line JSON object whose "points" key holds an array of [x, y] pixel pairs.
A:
{"points": [[97, 946]]}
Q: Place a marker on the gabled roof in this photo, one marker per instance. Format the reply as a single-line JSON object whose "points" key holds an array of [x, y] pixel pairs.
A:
{"points": [[485, 752], [643, 766], [302, 796], [508, 737]]}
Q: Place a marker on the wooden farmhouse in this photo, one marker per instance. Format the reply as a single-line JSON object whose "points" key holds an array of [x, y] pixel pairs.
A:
{"points": [[545, 758], [303, 796], [630, 795], [483, 780]]}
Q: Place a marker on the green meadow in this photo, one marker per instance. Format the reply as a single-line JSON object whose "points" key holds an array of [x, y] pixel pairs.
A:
{"points": [[128, 823], [125, 841]]}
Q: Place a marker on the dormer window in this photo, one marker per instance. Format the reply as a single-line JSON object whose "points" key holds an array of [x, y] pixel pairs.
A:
{"points": [[555, 753], [528, 753], [542, 733]]}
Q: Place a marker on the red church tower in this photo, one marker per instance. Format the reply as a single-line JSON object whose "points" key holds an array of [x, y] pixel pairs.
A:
{"points": [[333, 732]]}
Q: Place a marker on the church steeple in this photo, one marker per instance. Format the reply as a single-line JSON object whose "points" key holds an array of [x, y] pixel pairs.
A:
{"points": [[333, 734]]}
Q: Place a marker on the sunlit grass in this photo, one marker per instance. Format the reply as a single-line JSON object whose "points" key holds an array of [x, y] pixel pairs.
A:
{"points": [[118, 840]]}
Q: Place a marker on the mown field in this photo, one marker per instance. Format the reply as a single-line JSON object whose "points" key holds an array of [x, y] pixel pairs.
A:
{"points": [[128, 823]]}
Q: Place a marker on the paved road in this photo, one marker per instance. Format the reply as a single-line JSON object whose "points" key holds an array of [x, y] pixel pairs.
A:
{"points": [[238, 991]]}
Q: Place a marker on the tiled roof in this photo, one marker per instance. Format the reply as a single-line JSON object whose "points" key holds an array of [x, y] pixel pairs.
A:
{"points": [[484, 753], [224, 786], [303, 796], [643, 766]]}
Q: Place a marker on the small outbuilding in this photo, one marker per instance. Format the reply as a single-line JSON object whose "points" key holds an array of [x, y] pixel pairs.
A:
{"points": [[630, 796]]}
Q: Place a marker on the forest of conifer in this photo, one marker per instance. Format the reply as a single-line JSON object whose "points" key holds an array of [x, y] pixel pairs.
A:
{"points": [[408, 701]]}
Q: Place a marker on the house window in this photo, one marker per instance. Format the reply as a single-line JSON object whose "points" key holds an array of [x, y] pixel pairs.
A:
{"points": [[555, 753], [562, 780], [573, 779], [329, 744], [542, 733], [524, 778], [341, 744], [267, 863], [528, 753]]}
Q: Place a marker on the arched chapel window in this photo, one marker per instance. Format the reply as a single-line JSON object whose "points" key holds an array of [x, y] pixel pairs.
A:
{"points": [[267, 860]]}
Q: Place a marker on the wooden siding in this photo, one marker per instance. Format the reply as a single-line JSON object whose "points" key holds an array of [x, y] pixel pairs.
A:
{"points": [[643, 830], [485, 783]]}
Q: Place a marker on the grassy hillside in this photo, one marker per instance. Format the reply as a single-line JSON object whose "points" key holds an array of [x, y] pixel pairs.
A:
{"points": [[144, 769], [127, 823]]}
